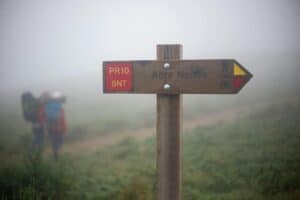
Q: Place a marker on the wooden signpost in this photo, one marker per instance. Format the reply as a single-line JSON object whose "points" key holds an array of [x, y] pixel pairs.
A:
{"points": [[169, 76]]}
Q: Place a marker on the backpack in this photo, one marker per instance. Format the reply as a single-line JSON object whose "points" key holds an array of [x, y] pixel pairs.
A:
{"points": [[52, 110], [30, 107]]}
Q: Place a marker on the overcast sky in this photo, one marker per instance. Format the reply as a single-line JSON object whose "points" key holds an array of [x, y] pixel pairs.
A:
{"points": [[43, 41]]}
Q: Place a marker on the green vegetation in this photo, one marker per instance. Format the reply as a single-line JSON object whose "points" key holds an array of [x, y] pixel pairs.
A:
{"points": [[35, 179], [257, 157]]}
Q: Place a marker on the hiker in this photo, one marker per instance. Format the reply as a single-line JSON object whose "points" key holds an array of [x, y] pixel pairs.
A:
{"points": [[31, 107], [53, 117]]}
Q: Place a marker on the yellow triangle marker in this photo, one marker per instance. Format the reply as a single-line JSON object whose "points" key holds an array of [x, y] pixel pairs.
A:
{"points": [[237, 71]]}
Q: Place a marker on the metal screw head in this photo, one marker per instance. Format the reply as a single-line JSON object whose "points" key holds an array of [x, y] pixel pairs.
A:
{"points": [[167, 86], [167, 65]]}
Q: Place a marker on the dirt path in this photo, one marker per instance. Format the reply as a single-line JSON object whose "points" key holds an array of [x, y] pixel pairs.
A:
{"points": [[93, 144], [90, 145]]}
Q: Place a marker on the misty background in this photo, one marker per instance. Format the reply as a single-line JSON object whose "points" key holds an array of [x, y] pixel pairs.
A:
{"points": [[243, 146], [60, 45]]}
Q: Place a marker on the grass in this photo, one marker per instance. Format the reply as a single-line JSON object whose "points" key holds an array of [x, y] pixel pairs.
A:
{"points": [[35, 178], [257, 157]]}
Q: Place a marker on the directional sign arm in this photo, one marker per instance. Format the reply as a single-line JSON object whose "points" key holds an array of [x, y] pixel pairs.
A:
{"points": [[223, 76]]}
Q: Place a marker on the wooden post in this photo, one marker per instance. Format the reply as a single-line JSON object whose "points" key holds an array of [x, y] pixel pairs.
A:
{"points": [[169, 125]]}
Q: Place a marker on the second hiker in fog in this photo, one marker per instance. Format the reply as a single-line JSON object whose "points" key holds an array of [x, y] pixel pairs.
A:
{"points": [[53, 117]]}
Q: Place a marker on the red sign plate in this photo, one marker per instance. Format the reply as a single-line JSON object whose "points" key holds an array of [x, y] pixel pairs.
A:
{"points": [[118, 77]]}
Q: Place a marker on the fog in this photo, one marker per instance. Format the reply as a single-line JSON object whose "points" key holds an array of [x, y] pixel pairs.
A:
{"points": [[243, 146], [61, 44]]}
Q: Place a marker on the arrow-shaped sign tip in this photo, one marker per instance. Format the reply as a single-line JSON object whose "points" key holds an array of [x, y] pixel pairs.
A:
{"points": [[240, 76]]}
